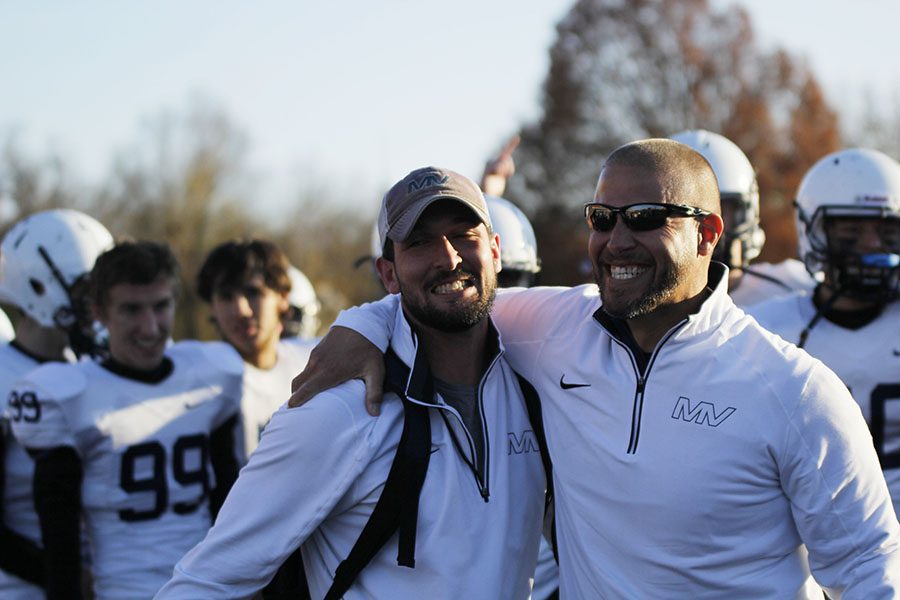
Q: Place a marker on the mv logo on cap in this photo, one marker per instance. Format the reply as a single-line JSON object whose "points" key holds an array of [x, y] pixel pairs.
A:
{"points": [[426, 181]]}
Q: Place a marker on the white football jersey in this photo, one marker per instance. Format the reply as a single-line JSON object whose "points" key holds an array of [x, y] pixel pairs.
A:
{"points": [[18, 503], [764, 281], [265, 390], [145, 453], [866, 359]]}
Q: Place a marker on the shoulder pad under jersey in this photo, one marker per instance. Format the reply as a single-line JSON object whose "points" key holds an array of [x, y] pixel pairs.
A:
{"points": [[55, 380], [218, 355]]}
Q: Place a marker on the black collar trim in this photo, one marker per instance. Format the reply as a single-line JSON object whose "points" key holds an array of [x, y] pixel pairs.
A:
{"points": [[156, 375]]}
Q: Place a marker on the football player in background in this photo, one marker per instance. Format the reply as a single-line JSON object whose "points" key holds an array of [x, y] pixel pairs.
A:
{"points": [[140, 445], [743, 238], [848, 218], [301, 320], [247, 285], [44, 262], [250, 287]]}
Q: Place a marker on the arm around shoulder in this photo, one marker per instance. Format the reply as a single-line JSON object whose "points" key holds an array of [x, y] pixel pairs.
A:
{"points": [[534, 313]]}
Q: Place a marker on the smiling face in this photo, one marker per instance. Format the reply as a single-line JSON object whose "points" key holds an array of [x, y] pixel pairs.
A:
{"points": [[640, 271], [139, 320], [249, 316], [446, 270]]}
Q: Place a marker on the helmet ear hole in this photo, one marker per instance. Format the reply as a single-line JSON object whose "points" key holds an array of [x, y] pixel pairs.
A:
{"points": [[37, 287]]}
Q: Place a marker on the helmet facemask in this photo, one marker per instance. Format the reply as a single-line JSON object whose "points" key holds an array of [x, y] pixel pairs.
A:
{"points": [[869, 274], [75, 317], [741, 218]]}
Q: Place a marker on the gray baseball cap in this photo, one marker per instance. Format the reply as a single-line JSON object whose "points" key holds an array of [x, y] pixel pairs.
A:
{"points": [[405, 202]]}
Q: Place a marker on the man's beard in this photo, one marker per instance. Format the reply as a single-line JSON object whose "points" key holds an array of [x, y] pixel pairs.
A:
{"points": [[460, 317], [659, 290]]}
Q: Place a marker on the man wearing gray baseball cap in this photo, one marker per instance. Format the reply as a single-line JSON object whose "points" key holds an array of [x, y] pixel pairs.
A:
{"points": [[408, 198], [469, 526]]}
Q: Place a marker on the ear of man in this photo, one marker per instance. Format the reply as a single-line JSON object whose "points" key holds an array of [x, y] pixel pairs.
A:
{"points": [[709, 232], [388, 275]]}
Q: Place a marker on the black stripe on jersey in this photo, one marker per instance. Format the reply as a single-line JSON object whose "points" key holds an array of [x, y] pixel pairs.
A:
{"points": [[57, 501], [18, 555], [641, 362]]}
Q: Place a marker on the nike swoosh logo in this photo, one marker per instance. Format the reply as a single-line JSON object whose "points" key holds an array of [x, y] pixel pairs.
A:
{"points": [[195, 398], [434, 449], [569, 386]]}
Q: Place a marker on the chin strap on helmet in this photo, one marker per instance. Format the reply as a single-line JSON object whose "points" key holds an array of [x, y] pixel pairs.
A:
{"points": [[821, 311], [74, 319]]}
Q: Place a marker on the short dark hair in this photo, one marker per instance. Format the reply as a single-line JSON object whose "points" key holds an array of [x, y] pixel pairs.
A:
{"points": [[231, 263], [689, 175], [136, 262], [388, 251]]}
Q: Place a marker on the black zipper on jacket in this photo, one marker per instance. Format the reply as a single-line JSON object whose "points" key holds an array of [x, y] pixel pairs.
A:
{"points": [[483, 484], [482, 487], [641, 378]]}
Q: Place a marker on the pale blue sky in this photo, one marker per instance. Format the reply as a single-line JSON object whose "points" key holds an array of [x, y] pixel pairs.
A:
{"points": [[357, 93]]}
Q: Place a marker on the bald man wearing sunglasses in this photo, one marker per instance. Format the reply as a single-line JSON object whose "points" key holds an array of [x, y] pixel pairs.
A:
{"points": [[695, 454]]}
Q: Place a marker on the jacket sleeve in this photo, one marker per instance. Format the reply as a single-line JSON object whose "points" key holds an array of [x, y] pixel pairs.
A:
{"points": [[374, 320], [839, 499], [533, 314], [289, 486]]}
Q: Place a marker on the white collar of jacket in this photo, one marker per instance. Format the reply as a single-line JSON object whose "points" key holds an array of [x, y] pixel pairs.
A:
{"points": [[405, 343], [711, 314]]}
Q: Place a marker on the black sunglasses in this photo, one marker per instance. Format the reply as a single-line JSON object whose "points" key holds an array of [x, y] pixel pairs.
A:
{"points": [[644, 216]]}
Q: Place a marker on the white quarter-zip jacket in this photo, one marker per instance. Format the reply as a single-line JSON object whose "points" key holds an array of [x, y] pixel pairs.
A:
{"points": [[703, 474], [866, 359], [319, 470]]}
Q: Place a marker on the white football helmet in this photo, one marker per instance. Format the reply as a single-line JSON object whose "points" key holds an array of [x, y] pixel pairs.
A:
{"points": [[44, 258], [302, 317], [7, 332], [518, 245], [854, 183], [737, 186], [375, 243]]}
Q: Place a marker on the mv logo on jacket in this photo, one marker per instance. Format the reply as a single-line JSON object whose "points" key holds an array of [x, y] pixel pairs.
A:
{"points": [[703, 413], [520, 444]]}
